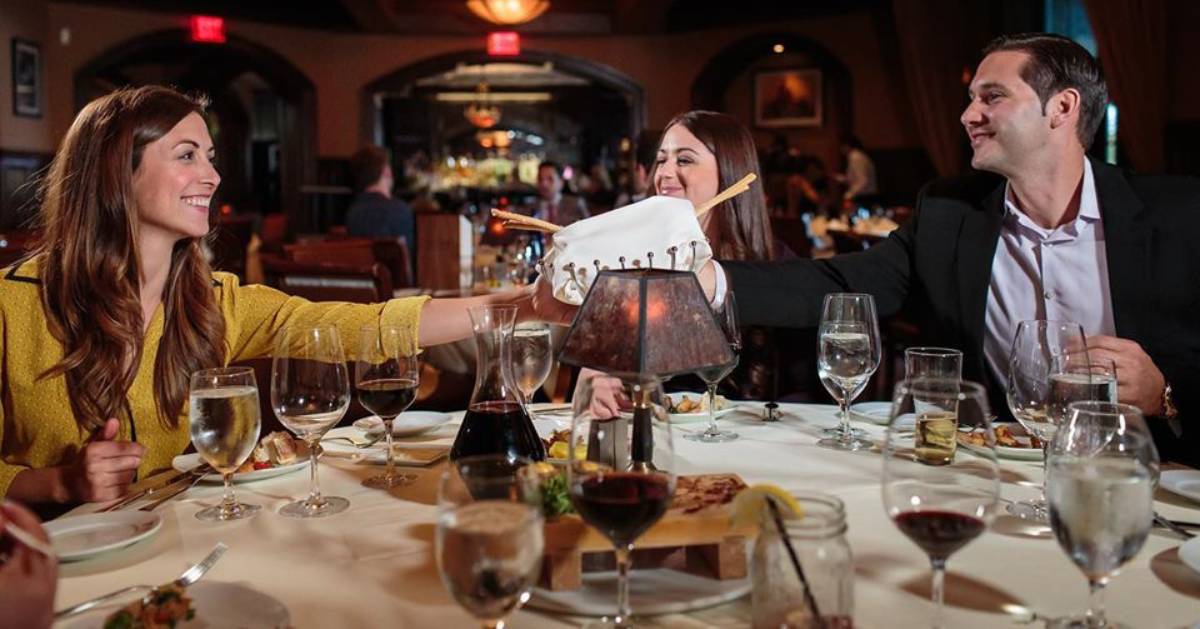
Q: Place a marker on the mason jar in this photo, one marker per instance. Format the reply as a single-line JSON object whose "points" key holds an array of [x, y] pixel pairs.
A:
{"points": [[819, 540]]}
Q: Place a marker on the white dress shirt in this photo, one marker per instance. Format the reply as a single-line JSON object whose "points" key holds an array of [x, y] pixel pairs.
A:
{"points": [[860, 174], [1058, 274]]}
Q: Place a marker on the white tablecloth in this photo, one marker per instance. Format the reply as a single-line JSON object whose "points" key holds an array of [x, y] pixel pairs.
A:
{"points": [[373, 565]]}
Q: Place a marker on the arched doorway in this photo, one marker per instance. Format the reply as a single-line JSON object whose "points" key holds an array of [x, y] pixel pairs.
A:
{"points": [[574, 110], [264, 109]]}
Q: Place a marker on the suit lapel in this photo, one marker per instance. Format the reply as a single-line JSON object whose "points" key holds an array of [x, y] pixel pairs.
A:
{"points": [[1126, 245], [977, 238]]}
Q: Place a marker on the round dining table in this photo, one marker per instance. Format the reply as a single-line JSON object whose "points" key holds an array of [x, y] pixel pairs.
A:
{"points": [[373, 565]]}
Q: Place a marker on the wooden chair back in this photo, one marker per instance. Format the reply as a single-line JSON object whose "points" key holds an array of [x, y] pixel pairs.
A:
{"points": [[364, 283]]}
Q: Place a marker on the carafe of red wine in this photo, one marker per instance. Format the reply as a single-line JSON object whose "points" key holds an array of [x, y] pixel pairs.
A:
{"points": [[496, 421]]}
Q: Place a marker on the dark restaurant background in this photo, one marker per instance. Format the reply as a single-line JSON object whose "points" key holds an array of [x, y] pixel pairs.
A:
{"points": [[297, 87]]}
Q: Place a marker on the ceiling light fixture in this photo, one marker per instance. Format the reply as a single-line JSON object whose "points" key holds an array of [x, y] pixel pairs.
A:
{"points": [[508, 12]]}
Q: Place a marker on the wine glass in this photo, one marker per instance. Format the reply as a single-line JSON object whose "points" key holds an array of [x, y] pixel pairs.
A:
{"points": [[532, 356], [848, 352], [310, 391], [620, 472], [1099, 485], [489, 535], [224, 423], [941, 508], [387, 376], [712, 376], [1043, 378]]}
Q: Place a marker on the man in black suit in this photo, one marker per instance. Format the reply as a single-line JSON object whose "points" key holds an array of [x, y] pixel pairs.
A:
{"points": [[1061, 237]]}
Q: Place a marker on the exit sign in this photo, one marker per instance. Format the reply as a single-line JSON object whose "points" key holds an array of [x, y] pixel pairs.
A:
{"points": [[504, 44], [207, 29]]}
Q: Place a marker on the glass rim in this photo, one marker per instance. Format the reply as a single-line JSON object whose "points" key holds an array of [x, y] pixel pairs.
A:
{"points": [[933, 351], [1043, 323], [906, 384], [493, 308], [222, 373]]}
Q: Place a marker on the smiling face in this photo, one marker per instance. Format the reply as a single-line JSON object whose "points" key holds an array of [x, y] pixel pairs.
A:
{"points": [[1005, 120], [174, 183], [685, 168]]}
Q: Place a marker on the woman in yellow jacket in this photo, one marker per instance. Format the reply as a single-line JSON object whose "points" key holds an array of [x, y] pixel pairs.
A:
{"points": [[101, 328]]}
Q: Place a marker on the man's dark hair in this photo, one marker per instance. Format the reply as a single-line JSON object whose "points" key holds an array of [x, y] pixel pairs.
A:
{"points": [[549, 164], [366, 166], [1056, 63]]}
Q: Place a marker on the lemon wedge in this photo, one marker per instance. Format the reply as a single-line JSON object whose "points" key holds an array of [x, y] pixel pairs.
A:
{"points": [[750, 503]]}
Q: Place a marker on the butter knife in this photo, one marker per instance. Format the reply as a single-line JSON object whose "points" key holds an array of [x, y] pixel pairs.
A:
{"points": [[147, 487], [178, 487]]}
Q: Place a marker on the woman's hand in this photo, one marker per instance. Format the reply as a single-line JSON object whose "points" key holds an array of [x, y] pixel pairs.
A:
{"points": [[27, 577], [608, 393], [103, 469], [537, 303]]}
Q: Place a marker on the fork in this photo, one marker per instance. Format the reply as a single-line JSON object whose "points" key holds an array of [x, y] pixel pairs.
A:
{"points": [[189, 577]]}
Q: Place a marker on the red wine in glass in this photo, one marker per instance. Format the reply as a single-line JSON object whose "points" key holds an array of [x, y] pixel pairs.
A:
{"points": [[387, 397], [498, 427], [939, 533], [622, 505]]}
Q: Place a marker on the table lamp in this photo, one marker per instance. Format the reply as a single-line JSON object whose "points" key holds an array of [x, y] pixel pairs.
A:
{"points": [[640, 323]]}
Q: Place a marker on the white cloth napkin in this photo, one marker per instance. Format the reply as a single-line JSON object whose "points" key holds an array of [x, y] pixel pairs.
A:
{"points": [[642, 233]]}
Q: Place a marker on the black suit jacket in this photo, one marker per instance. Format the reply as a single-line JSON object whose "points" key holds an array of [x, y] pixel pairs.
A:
{"points": [[937, 268]]}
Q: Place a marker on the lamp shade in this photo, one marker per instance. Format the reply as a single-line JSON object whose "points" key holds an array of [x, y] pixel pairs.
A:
{"points": [[645, 321]]}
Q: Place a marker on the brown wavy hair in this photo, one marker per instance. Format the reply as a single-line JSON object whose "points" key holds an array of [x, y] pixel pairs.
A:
{"points": [[90, 264], [740, 227]]}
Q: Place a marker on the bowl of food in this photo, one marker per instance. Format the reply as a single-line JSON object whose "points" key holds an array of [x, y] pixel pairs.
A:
{"points": [[687, 408]]}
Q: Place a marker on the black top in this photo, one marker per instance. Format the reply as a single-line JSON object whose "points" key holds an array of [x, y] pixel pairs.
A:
{"points": [[938, 265]]}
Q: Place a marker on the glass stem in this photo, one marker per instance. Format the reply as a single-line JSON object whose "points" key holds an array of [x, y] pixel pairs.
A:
{"points": [[314, 492], [712, 411], [937, 592], [624, 613], [1095, 613], [389, 471], [1041, 504], [228, 502], [844, 418]]}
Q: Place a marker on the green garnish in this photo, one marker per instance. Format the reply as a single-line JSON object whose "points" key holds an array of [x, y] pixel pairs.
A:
{"points": [[555, 498]]}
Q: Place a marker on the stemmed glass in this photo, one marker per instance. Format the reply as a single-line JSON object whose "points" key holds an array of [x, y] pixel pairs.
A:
{"points": [[224, 423], [532, 356], [489, 535], [621, 483], [387, 376], [310, 392], [727, 318], [941, 508], [1044, 376], [1100, 487], [848, 352]]}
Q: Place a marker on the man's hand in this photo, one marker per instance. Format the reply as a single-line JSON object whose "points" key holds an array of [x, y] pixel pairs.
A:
{"points": [[27, 577], [544, 307], [103, 469], [1139, 382]]}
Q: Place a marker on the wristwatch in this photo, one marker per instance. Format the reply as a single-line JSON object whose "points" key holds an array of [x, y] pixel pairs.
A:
{"points": [[1168, 403]]}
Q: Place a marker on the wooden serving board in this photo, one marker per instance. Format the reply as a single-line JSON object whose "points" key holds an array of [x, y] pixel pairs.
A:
{"points": [[711, 544]]}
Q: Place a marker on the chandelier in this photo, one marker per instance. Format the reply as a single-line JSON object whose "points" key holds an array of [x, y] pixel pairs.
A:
{"points": [[482, 113], [508, 12]]}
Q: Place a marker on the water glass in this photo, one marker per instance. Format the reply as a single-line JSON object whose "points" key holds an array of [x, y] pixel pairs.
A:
{"points": [[225, 422], [1100, 489], [489, 535], [848, 352], [532, 356]]}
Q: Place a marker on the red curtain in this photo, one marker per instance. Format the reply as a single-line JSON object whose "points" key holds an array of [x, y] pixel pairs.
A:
{"points": [[1132, 38], [933, 53]]}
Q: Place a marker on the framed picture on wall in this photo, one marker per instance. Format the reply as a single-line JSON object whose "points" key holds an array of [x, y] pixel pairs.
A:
{"points": [[27, 78], [787, 98]]}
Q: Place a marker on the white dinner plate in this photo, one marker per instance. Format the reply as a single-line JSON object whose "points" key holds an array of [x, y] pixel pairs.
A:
{"points": [[409, 424], [217, 604], [874, 412], [84, 536], [1184, 483], [185, 462], [699, 416], [651, 592], [1005, 452], [1189, 554]]}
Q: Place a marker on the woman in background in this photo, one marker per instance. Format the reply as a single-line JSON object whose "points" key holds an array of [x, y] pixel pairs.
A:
{"points": [[103, 324]]}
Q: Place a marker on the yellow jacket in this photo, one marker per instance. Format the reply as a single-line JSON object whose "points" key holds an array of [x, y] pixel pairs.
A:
{"points": [[37, 428]]}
